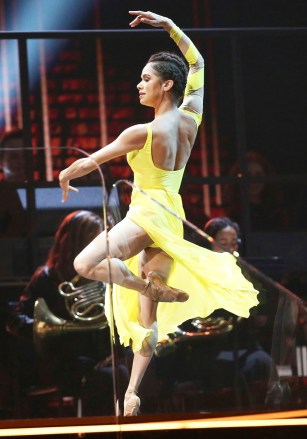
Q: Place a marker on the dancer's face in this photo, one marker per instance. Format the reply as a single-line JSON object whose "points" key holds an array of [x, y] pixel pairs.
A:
{"points": [[227, 238], [151, 87]]}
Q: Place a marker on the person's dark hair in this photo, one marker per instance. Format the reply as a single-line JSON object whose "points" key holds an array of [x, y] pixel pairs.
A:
{"points": [[214, 225], [171, 66], [75, 232], [270, 211], [10, 135], [7, 137]]}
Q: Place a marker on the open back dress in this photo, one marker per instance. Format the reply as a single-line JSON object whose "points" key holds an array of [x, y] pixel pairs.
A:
{"points": [[212, 280]]}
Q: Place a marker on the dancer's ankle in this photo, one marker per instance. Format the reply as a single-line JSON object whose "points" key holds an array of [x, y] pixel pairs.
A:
{"points": [[147, 285], [131, 390], [158, 291]]}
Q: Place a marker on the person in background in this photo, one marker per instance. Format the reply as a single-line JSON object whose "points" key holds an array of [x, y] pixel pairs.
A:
{"points": [[75, 231], [65, 358], [229, 357], [226, 234], [255, 365], [267, 206]]}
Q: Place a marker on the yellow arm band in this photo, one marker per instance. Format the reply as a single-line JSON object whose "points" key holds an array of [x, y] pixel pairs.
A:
{"points": [[192, 54], [195, 81], [197, 117], [176, 34]]}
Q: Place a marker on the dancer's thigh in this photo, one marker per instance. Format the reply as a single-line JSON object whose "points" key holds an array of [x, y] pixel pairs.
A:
{"points": [[155, 259], [125, 239]]}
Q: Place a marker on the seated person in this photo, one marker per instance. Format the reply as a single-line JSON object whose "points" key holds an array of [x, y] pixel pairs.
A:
{"points": [[266, 199], [254, 363], [68, 355], [229, 354], [226, 234]]}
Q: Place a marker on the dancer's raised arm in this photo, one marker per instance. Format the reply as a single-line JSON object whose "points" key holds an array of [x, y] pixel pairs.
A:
{"points": [[194, 92]]}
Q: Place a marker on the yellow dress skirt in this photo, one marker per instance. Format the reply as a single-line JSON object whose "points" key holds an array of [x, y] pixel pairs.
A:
{"points": [[212, 280]]}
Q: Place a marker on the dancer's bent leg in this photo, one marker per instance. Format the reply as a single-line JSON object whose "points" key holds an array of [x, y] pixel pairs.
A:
{"points": [[126, 239]]}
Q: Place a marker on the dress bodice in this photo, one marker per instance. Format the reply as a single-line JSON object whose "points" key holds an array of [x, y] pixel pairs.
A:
{"points": [[147, 175]]}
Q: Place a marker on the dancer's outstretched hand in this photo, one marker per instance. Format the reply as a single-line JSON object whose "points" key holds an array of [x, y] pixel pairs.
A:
{"points": [[150, 18], [65, 186]]}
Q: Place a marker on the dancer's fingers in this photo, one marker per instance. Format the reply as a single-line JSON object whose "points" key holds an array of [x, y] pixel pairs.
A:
{"points": [[145, 17], [136, 12], [137, 20], [65, 190], [72, 188]]}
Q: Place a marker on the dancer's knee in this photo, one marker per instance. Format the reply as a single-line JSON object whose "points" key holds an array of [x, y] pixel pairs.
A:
{"points": [[84, 268], [81, 267], [90, 270], [150, 342]]}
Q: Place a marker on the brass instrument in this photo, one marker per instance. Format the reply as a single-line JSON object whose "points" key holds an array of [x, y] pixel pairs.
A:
{"points": [[204, 328], [84, 303], [169, 344], [210, 326]]}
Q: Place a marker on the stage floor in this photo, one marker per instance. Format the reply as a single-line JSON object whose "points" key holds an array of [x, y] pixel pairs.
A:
{"points": [[172, 425]]}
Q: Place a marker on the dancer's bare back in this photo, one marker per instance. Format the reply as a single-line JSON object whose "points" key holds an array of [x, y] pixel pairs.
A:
{"points": [[173, 138]]}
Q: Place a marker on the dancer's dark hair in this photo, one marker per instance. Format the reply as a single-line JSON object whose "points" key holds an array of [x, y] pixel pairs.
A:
{"points": [[171, 66]]}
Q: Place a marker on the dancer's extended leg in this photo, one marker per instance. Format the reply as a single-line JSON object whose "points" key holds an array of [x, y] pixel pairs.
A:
{"points": [[140, 363], [152, 260]]}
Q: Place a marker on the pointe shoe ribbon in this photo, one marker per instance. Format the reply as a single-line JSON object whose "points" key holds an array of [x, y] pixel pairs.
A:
{"points": [[158, 291]]}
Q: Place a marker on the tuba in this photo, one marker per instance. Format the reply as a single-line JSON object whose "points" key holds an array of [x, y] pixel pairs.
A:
{"points": [[85, 305]]}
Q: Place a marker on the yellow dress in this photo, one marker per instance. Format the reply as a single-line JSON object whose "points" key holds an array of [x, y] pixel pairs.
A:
{"points": [[212, 280]]}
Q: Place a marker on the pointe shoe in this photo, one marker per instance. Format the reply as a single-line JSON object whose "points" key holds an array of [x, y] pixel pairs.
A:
{"points": [[131, 405], [157, 290]]}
